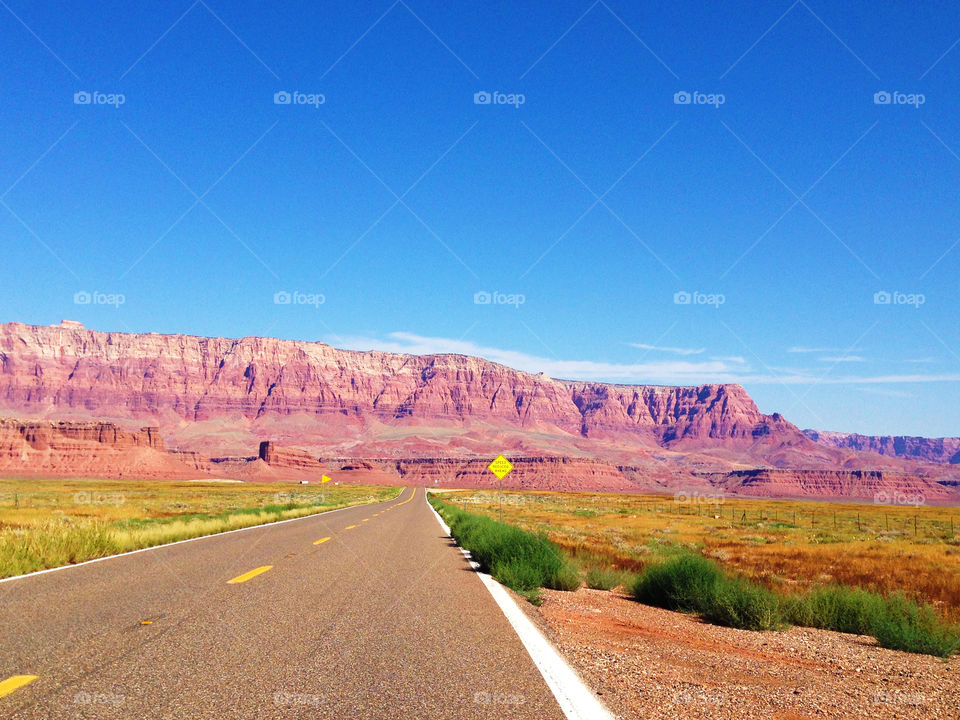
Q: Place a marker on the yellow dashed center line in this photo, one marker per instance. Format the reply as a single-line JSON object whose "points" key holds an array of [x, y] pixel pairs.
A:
{"points": [[405, 501], [365, 520], [248, 575], [350, 527], [15, 683], [321, 541]]}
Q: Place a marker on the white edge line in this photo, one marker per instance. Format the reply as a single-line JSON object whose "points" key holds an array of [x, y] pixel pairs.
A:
{"points": [[574, 697], [181, 542]]}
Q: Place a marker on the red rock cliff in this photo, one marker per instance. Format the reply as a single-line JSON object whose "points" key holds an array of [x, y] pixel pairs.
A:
{"points": [[937, 450], [317, 394], [97, 449]]}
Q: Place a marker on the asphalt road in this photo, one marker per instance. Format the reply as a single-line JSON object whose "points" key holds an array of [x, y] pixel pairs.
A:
{"points": [[384, 619]]}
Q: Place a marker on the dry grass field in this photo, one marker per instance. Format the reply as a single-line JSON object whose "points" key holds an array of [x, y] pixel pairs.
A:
{"points": [[47, 523], [784, 544]]}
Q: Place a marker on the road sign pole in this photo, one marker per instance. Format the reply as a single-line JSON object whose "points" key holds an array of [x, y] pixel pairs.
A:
{"points": [[324, 479], [500, 467]]}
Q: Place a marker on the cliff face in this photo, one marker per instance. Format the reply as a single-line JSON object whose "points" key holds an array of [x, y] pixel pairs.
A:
{"points": [[529, 473], [43, 435], [936, 450], [95, 449], [334, 395], [430, 419], [883, 487], [670, 414], [288, 458]]}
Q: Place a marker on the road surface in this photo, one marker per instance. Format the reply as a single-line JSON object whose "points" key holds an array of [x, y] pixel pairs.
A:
{"points": [[368, 612]]}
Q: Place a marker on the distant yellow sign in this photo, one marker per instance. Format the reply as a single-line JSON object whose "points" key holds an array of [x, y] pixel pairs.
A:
{"points": [[325, 478], [500, 467]]}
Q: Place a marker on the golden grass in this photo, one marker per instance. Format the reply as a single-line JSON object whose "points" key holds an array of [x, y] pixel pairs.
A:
{"points": [[785, 544], [48, 523]]}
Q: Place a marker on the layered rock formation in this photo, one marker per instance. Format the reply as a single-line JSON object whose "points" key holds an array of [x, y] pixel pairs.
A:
{"points": [[44, 435], [314, 395], [936, 450], [880, 486], [430, 419], [530, 473], [94, 449], [284, 457]]}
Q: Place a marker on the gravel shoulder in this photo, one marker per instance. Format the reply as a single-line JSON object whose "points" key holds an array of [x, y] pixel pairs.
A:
{"points": [[649, 663]]}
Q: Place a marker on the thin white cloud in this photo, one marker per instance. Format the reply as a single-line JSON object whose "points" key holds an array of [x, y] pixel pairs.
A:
{"points": [[739, 360], [801, 379], [843, 358], [674, 350], [675, 372], [681, 372]]}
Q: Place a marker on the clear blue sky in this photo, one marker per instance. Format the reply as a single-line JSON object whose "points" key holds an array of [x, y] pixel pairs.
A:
{"points": [[597, 199]]}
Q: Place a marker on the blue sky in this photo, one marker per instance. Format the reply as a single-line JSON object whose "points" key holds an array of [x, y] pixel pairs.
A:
{"points": [[587, 202]]}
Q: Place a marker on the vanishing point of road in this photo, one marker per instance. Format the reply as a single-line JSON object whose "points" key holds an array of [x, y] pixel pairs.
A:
{"points": [[366, 612]]}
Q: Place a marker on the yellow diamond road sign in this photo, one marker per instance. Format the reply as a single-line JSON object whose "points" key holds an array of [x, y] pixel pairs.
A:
{"points": [[500, 467]]}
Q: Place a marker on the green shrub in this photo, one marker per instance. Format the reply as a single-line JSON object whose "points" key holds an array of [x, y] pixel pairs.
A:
{"points": [[844, 609], [520, 560], [567, 578], [600, 578], [517, 574], [916, 628], [741, 604], [896, 621], [687, 582], [694, 584]]}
